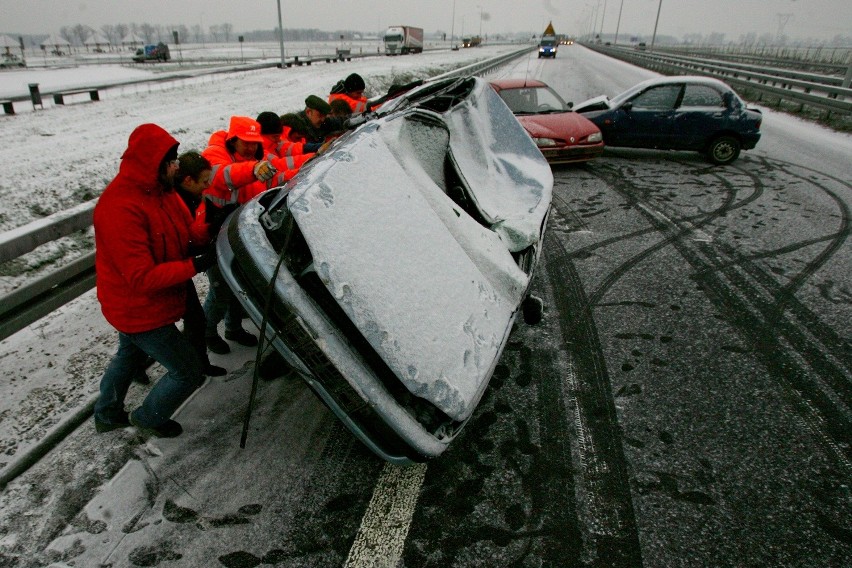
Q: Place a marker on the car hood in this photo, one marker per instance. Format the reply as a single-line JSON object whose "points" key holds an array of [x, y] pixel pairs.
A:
{"points": [[562, 125], [600, 102], [431, 288]]}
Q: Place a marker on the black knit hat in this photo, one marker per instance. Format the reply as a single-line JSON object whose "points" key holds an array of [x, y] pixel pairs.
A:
{"points": [[270, 123], [354, 82], [317, 103]]}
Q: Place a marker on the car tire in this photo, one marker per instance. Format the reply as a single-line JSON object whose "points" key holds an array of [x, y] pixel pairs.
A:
{"points": [[723, 150], [533, 309]]}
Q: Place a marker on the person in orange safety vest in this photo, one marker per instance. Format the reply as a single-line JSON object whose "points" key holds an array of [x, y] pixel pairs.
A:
{"points": [[239, 173], [352, 91], [286, 156]]}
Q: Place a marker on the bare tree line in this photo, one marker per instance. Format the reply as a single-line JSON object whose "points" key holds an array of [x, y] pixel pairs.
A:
{"points": [[79, 34]]}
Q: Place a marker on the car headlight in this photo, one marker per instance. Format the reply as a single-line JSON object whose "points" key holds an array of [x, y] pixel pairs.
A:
{"points": [[596, 137], [544, 142]]}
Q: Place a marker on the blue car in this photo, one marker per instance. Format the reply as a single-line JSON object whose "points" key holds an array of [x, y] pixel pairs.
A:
{"points": [[677, 113], [547, 48]]}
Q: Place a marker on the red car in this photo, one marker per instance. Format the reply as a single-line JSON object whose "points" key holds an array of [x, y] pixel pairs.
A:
{"points": [[562, 135]]}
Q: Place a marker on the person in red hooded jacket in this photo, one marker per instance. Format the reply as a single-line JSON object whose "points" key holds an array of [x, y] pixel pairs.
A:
{"points": [[145, 239]]}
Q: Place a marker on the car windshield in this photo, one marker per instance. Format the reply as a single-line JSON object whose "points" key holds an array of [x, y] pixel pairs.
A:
{"points": [[533, 100]]}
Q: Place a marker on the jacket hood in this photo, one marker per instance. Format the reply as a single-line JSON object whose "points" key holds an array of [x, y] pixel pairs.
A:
{"points": [[147, 146]]}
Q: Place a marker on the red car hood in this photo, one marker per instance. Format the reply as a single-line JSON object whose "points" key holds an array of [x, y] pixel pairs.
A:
{"points": [[558, 125]]}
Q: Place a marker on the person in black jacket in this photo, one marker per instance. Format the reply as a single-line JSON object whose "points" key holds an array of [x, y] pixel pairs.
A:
{"points": [[192, 178]]}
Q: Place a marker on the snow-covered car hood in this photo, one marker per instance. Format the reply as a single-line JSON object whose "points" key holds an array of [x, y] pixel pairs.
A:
{"points": [[563, 125], [432, 290], [600, 102]]}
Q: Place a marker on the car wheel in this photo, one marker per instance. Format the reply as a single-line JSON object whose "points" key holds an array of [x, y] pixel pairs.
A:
{"points": [[723, 150], [533, 309]]}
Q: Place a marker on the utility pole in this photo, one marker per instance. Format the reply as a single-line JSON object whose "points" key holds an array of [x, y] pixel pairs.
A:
{"points": [[782, 23]]}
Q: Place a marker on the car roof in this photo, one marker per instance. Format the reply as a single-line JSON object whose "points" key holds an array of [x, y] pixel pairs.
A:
{"points": [[691, 79], [517, 83], [674, 79]]}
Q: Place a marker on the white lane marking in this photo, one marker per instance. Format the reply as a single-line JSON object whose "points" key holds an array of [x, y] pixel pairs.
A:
{"points": [[385, 525]]}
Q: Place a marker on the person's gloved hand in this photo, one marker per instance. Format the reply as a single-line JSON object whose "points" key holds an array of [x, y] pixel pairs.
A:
{"points": [[264, 171], [214, 216], [311, 147], [204, 260]]}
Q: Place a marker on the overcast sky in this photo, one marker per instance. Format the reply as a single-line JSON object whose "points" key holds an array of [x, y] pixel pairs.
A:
{"points": [[801, 18]]}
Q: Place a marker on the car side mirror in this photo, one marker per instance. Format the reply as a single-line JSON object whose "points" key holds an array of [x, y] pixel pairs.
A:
{"points": [[728, 99], [627, 106]]}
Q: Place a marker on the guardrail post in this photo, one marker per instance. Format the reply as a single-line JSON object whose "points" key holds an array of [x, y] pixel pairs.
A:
{"points": [[35, 95], [848, 78]]}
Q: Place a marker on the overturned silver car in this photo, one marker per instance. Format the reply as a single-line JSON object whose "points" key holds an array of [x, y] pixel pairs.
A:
{"points": [[390, 270]]}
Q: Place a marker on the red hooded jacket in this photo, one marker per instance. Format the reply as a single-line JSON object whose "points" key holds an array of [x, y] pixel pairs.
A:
{"points": [[143, 234]]}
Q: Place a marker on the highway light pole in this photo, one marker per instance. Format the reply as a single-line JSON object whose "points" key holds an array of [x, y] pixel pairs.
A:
{"points": [[453, 26], [280, 35], [654, 37], [618, 24]]}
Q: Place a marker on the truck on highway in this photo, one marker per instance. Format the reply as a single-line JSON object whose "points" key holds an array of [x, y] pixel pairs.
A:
{"points": [[474, 41], [158, 52], [403, 40]]}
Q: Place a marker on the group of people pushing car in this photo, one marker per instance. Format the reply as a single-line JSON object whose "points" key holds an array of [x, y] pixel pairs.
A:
{"points": [[154, 227]]}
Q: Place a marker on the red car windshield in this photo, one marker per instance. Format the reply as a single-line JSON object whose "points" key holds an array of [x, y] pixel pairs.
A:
{"points": [[533, 100]]}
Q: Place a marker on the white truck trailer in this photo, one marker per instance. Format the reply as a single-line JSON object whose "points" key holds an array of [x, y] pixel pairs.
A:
{"points": [[400, 40]]}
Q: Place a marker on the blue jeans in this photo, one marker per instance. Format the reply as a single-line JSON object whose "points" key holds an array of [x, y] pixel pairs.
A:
{"points": [[172, 350], [221, 303]]}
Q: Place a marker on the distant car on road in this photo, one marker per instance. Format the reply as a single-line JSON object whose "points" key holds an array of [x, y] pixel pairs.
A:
{"points": [[548, 47], [677, 113], [563, 136]]}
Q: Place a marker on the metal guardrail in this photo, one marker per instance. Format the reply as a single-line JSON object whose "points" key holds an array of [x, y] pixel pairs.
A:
{"points": [[700, 62], [820, 95], [36, 299]]}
